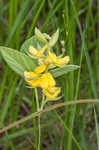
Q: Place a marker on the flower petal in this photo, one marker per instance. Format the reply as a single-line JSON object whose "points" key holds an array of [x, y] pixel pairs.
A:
{"points": [[32, 50], [52, 56], [40, 69], [54, 94], [34, 83], [41, 51], [62, 61], [29, 74], [56, 60], [47, 81]]}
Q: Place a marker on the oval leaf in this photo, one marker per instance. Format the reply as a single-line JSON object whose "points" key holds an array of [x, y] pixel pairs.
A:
{"points": [[54, 38], [40, 35], [63, 70], [46, 36], [18, 61], [33, 41]]}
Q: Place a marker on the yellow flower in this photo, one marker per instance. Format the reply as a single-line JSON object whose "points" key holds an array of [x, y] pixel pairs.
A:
{"points": [[52, 93], [37, 53], [47, 81], [58, 61], [30, 75], [33, 78], [48, 84], [34, 83], [36, 72], [40, 69]]}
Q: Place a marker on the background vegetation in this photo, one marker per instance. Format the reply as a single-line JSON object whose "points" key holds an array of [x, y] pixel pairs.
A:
{"points": [[69, 128]]}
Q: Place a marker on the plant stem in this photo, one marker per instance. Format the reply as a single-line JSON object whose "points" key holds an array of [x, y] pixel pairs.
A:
{"points": [[43, 101], [34, 122], [38, 109], [39, 140], [37, 102]]}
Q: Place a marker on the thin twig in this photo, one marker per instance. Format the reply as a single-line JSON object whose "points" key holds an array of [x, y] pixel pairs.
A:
{"points": [[33, 115]]}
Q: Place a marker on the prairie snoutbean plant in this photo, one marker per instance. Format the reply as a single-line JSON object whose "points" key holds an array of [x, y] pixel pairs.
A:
{"points": [[39, 66]]}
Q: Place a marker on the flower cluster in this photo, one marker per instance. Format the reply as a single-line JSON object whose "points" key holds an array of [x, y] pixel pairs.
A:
{"points": [[41, 77]]}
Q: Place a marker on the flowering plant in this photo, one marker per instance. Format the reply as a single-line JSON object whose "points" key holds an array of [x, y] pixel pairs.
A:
{"points": [[39, 65], [41, 77]]}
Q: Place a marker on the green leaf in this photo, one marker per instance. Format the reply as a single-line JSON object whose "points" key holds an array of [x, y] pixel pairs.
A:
{"points": [[54, 38], [40, 35], [18, 61], [33, 41], [46, 36], [63, 70]]}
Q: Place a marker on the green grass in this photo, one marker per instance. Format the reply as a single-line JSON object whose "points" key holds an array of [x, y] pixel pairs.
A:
{"points": [[69, 128]]}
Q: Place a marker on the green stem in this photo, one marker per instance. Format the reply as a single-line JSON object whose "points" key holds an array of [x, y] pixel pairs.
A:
{"points": [[37, 102], [34, 122], [43, 102], [38, 109], [39, 142]]}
